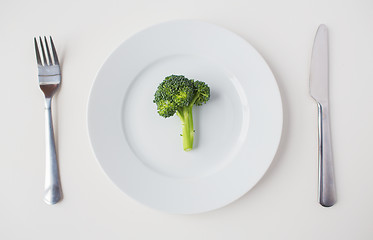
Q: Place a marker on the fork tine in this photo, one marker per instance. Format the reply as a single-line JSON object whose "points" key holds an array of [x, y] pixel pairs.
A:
{"points": [[55, 57], [37, 52], [43, 52], [48, 52]]}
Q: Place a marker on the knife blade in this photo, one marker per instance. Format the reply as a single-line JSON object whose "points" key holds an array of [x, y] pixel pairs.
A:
{"points": [[319, 90]]}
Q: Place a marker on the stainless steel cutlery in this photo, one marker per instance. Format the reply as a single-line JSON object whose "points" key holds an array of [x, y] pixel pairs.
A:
{"points": [[49, 74], [319, 90]]}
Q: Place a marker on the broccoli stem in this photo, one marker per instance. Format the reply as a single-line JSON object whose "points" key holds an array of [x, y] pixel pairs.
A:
{"points": [[186, 116]]}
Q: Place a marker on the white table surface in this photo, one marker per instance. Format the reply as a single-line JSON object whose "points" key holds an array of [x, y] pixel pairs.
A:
{"points": [[283, 205]]}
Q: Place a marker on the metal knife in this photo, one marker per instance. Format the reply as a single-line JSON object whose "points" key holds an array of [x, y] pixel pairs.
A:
{"points": [[319, 90]]}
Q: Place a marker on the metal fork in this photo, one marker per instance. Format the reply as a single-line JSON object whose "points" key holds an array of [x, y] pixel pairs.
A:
{"points": [[49, 74]]}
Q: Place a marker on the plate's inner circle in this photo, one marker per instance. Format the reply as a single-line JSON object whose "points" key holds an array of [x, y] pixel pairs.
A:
{"points": [[156, 141]]}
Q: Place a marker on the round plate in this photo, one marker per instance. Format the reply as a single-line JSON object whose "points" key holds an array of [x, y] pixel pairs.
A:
{"points": [[237, 131]]}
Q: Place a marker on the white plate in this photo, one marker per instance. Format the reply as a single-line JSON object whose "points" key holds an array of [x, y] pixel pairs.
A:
{"points": [[237, 130]]}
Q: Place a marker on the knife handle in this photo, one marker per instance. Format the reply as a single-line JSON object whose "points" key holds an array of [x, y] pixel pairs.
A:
{"points": [[327, 193]]}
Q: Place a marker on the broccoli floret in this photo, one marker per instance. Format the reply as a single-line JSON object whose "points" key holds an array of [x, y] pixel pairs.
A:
{"points": [[178, 94]]}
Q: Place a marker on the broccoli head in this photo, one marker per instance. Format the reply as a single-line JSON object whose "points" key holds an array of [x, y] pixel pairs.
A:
{"points": [[178, 94]]}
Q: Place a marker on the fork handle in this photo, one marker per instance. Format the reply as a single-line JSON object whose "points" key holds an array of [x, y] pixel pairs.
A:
{"points": [[52, 190], [327, 192]]}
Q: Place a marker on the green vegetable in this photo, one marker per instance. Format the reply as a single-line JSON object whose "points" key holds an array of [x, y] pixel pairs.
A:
{"points": [[178, 94]]}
